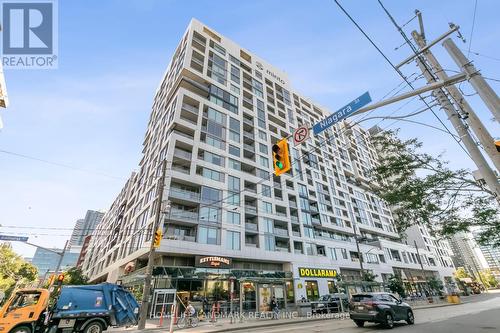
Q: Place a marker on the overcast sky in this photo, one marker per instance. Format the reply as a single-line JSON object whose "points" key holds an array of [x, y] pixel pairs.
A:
{"points": [[91, 113]]}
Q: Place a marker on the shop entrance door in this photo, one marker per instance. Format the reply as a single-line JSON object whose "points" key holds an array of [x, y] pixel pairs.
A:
{"points": [[266, 292], [312, 290], [162, 302]]}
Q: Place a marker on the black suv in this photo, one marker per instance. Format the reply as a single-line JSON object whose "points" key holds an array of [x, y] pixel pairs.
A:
{"points": [[382, 308]]}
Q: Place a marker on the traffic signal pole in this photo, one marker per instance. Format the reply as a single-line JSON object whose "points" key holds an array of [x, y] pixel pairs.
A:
{"points": [[59, 262], [151, 256]]}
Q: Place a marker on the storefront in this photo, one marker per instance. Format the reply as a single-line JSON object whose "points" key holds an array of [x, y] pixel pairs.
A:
{"points": [[313, 282], [228, 284]]}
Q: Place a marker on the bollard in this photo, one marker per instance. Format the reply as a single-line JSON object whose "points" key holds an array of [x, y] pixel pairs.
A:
{"points": [[173, 311], [161, 315]]}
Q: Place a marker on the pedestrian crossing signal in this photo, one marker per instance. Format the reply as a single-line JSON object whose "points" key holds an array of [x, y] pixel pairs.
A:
{"points": [[281, 158], [158, 236]]}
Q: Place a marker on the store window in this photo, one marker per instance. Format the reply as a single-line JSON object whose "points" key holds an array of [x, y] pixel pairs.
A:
{"points": [[332, 288], [312, 290]]}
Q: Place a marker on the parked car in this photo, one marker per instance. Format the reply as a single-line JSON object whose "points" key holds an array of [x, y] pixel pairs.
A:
{"points": [[383, 308], [330, 303]]}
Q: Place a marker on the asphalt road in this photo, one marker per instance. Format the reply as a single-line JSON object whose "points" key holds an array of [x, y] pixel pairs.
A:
{"points": [[478, 316]]}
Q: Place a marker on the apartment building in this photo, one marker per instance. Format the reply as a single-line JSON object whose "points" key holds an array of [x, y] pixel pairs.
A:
{"points": [[464, 254], [84, 227], [233, 232], [491, 255]]}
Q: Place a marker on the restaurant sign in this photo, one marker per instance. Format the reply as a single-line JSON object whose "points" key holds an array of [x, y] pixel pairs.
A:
{"points": [[317, 272], [213, 262]]}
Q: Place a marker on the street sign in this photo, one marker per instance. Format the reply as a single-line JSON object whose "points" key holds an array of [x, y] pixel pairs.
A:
{"points": [[14, 238], [342, 113], [300, 135]]}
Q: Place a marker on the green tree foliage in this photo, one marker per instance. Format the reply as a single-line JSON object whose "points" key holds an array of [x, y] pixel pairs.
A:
{"points": [[368, 276], [14, 270], [488, 279], [435, 284], [461, 273], [395, 284], [75, 276], [423, 189]]}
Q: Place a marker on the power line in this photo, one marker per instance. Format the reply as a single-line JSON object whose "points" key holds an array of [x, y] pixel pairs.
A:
{"points": [[472, 29]]}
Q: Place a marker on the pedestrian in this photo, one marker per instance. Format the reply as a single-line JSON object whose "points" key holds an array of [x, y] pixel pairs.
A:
{"points": [[205, 306], [274, 308]]}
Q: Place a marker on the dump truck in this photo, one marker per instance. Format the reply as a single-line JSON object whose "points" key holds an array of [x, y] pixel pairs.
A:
{"points": [[82, 309]]}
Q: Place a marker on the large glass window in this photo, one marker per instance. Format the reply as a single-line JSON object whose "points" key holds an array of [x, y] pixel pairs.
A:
{"points": [[208, 235], [233, 218], [234, 164], [268, 225], [267, 206], [233, 190], [210, 174], [269, 243], [210, 214], [266, 191], [211, 157], [233, 240], [263, 148], [233, 150]]}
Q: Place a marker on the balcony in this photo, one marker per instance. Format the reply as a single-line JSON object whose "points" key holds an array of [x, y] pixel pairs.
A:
{"points": [[182, 154], [248, 122], [249, 135], [190, 108], [292, 204], [184, 194], [251, 209], [294, 219], [281, 232], [183, 215], [296, 233], [282, 249], [251, 226], [249, 147], [181, 237]]}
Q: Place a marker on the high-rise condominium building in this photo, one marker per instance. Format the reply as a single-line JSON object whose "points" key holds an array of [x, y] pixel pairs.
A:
{"points": [[233, 231], [464, 254], [491, 255], [84, 227]]}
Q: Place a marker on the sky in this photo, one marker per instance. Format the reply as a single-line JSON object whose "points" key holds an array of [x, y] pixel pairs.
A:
{"points": [[91, 113]]}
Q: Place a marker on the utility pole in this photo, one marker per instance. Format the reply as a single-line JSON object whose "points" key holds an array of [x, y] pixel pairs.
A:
{"points": [[59, 262], [471, 146], [151, 256], [470, 116], [477, 81]]}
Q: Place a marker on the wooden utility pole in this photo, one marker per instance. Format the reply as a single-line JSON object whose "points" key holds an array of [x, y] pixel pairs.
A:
{"points": [[151, 256]]}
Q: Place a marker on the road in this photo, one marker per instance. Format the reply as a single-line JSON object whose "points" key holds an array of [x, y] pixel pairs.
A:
{"points": [[479, 314]]}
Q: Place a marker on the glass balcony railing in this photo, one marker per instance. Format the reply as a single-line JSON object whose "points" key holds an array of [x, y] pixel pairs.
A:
{"points": [[184, 194]]}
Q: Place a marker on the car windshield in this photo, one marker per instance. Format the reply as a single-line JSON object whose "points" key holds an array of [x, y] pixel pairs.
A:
{"points": [[361, 298], [324, 298]]}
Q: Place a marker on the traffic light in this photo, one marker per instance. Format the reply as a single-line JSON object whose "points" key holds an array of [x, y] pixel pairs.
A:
{"points": [[281, 157], [60, 279], [158, 236], [497, 144]]}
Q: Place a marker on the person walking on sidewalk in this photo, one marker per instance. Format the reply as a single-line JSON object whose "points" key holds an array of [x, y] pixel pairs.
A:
{"points": [[274, 308]]}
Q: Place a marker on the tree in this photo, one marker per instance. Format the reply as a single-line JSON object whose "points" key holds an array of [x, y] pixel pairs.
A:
{"points": [[75, 276], [488, 278], [15, 272], [422, 189], [368, 276], [435, 284], [395, 284], [461, 273]]}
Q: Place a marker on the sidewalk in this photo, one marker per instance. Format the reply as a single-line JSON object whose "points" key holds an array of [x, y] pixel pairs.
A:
{"points": [[225, 325]]}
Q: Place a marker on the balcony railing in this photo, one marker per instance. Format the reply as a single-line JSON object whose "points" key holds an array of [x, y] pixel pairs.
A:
{"points": [[251, 226], [281, 249], [184, 215], [182, 154], [184, 194], [281, 232], [251, 209]]}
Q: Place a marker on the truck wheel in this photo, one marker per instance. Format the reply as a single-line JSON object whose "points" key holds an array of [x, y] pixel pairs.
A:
{"points": [[93, 327], [21, 329]]}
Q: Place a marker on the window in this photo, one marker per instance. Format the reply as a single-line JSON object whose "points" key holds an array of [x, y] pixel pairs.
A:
{"points": [[234, 136], [263, 148], [343, 252], [233, 190], [235, 89], [310, 249], [264, 162], [210, 214], [266, 191], [233, 241], [217, 47], [269, 243], [208, 235], [268, 225], [233, 164], [211, 195], [268, 207], [303, 190], [233, 150], [309, 232], [217, 68], [233, 218], [332, 253], [224, 99], [235, 75], [216, 116], [262, 135]]}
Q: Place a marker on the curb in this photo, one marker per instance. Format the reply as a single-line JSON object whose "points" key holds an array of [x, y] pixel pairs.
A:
{"points": [[434, 306]]}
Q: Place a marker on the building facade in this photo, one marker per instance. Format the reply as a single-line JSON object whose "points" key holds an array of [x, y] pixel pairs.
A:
{"points": [[233, 232], [85, 227], [491, 255], [46, 261], [464, 254]]}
